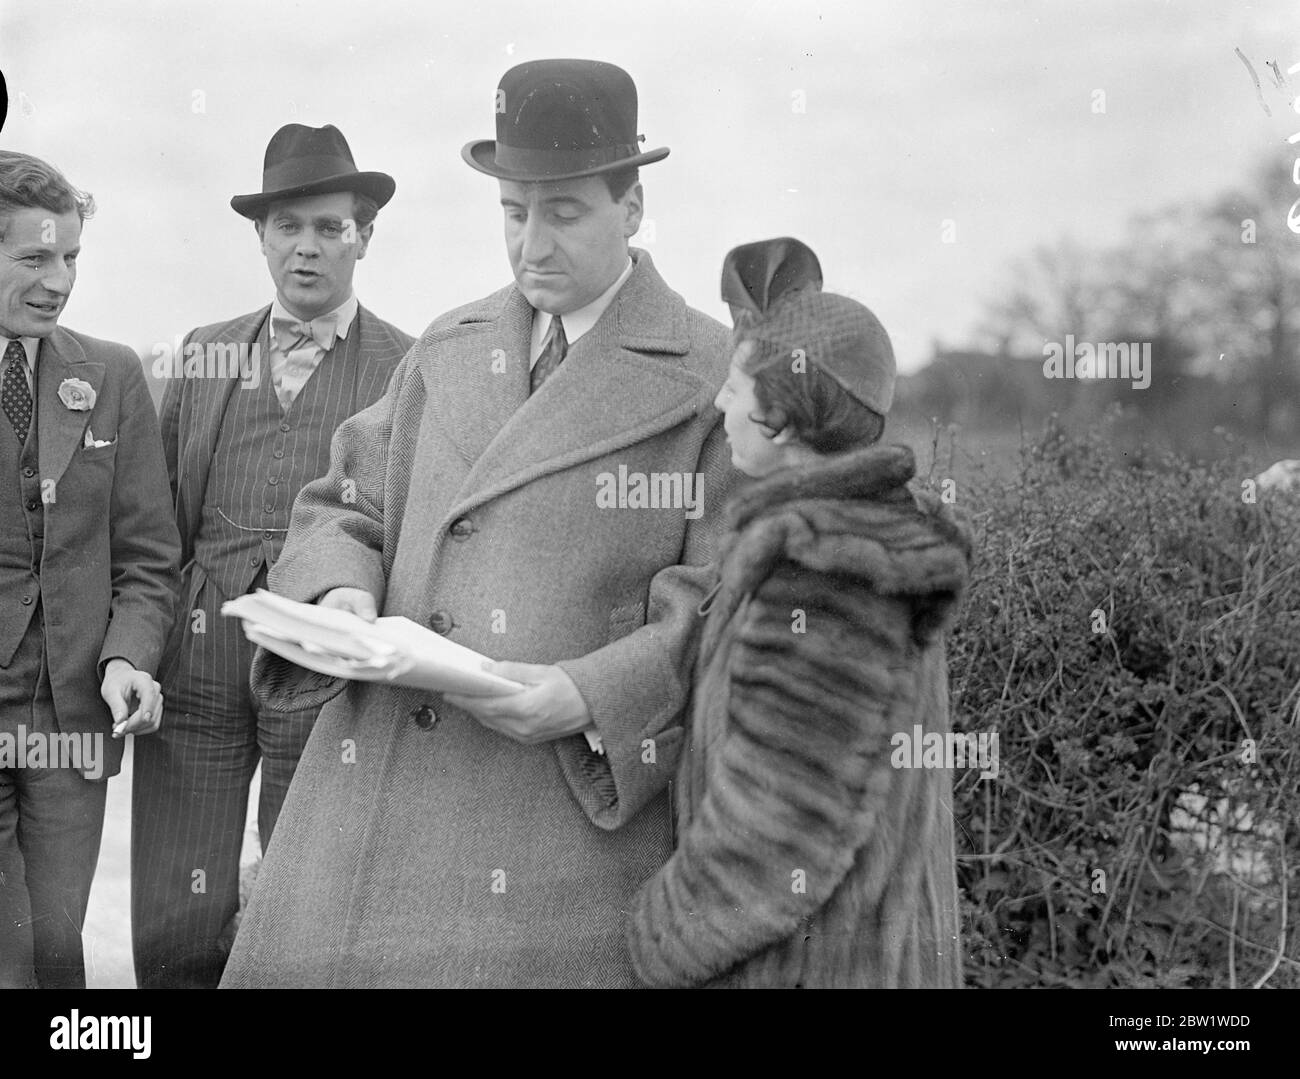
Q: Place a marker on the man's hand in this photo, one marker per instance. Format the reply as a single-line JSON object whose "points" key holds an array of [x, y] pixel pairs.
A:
{"points": [[357, 600], [550, 707], [124, 686]]}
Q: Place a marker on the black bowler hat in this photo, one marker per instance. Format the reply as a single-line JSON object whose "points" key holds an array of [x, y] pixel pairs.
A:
{"points": [[562, 119], [304, 161]]}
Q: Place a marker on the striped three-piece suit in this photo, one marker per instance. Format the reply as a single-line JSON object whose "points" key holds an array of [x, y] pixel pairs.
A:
{"points": [[236, 460]]}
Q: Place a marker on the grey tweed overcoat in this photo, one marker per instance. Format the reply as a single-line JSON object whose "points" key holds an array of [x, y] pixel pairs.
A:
{"points": [[417, 847]]}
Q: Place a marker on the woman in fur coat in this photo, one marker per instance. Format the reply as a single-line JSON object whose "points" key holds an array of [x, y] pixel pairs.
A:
{"points": [[804, 858]]}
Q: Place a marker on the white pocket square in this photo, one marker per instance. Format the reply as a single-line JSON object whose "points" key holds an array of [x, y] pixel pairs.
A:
{"points": [[91, 442]]}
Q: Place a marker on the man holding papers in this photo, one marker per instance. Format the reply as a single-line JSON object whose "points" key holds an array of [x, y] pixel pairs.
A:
{"points": [[453, 840], [341, 644]]}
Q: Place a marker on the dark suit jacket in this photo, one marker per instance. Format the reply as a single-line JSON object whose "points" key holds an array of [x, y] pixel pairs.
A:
{"points": [[109, 569], [193, 408]]}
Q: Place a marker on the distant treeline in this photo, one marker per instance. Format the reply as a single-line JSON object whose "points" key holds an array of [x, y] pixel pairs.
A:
{"points": [[981, 392], [1213, 290]]}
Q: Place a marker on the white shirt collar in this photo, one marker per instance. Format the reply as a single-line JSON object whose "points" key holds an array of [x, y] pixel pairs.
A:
{"points": [[346, 312], [31, 345], [578, 322]]}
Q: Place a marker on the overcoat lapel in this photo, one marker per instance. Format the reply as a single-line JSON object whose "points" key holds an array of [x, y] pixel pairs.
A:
{"points": [[59, 429], [618, 385], [483, 381]]}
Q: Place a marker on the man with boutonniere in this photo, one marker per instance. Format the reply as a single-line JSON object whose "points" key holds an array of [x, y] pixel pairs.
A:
{"points": [[88, 577]]}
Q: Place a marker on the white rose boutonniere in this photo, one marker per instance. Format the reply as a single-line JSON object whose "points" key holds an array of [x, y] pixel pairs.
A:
{"points": [[77, 394]]}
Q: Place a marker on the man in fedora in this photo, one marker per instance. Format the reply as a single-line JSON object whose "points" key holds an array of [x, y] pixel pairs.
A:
{"points": [[88, 559], [496, 841], [245, 424]]}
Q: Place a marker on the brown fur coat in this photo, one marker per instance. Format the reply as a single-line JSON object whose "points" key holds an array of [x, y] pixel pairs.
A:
{"points": [[803, 857]]}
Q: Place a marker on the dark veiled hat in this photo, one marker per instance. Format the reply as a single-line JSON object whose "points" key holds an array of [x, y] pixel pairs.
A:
{"points": [[302, 161], [755, 276], [774, 289], [561, 120]]}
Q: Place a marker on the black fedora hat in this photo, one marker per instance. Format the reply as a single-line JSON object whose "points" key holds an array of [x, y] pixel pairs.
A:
{"points": [[302, 161], [562, 119]]}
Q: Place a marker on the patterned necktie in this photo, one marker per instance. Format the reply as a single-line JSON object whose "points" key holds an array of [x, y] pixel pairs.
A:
{"points": [[554, 349], [15, 394]]}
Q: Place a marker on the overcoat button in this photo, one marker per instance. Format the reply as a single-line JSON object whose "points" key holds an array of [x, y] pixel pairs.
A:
{"points": [[424, 717], [462, 528], [27, 601], [441, 622]]}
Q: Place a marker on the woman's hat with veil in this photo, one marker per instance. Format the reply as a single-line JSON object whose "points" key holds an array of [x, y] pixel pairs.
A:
{"points": [[774, 289]]}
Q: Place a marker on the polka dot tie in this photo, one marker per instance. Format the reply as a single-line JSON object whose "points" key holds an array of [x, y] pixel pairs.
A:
{"points": [[15, 394], [553, 350]]}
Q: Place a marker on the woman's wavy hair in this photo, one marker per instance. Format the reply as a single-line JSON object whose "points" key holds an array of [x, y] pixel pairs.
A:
{"points": [[795, 394]]}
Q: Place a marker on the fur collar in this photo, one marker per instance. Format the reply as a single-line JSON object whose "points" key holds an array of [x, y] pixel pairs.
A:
{"points": [[851, 515]]}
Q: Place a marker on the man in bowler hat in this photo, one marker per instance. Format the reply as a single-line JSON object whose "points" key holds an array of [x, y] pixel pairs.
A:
{"points": [[88, 559], [246, 422], [461, 841]]}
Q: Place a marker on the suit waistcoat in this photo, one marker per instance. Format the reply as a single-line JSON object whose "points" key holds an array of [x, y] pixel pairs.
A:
{"points": [[22, 542], [263, 457]]}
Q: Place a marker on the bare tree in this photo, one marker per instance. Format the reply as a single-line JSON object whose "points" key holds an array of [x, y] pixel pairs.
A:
{"points": [[1250, 294], [1215, 289]]}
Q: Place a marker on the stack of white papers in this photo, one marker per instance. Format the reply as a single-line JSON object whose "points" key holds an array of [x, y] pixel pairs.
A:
{"points": [[340, 644]]}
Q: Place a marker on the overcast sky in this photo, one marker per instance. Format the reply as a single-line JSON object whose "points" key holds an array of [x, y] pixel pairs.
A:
{"points": [[859, 128]]}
